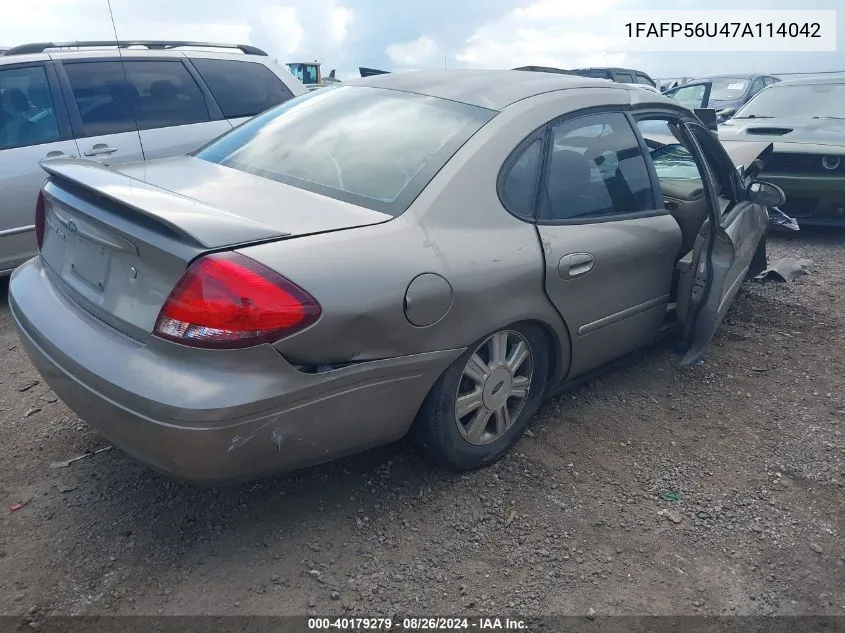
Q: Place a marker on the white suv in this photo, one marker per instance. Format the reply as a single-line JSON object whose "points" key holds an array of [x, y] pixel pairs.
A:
{"points": [[118, 102]]}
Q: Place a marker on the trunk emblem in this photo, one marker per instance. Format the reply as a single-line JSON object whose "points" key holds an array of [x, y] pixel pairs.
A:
{"points": [[133, 272], [71, 226]]}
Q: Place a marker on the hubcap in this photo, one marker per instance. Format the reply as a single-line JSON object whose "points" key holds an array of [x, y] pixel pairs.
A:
{"points": [[494, 387]]}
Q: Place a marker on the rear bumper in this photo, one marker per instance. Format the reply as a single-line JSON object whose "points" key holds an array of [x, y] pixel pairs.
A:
{"points": [[811, 198], [212, 416]]}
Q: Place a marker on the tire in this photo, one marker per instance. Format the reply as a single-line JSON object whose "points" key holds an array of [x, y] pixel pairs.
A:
{"points": [[759, 261], [456, 442]]}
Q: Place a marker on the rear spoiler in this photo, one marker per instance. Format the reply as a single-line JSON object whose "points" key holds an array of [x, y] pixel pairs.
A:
{"points": [[369, 72], [199, 223]]}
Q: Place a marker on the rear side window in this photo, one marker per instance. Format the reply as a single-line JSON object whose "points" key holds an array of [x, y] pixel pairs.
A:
{"points": [[372, 147], [114, 97], [595, 175], [519, 185], [242, 89], [27, 114], [757, 86]]}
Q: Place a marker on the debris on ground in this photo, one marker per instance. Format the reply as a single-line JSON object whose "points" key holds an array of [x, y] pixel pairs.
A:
{"points": [[671, 515], [67, 462], [782, 222], [786, 269]]}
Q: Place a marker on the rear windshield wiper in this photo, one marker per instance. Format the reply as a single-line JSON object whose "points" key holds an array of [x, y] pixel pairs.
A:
{"points": [[838, 118], [754, 116]]}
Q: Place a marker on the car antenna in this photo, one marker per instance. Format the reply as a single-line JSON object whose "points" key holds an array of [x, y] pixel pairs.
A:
{"points": [[120, 55]]}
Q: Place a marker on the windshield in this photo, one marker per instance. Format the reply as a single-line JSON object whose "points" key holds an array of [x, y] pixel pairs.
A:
{"points": [[372, 147], [728, 88], [674, 162], [804, 100]]}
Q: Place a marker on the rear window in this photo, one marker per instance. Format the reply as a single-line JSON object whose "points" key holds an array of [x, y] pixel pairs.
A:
{"points": [[372, 147], [241, 88]]}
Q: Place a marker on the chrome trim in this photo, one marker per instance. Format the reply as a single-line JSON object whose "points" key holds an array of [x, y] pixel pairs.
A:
{"points": [[627, 313], [16, 231]]}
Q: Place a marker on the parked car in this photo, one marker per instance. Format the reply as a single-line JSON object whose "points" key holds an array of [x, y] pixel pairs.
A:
{"points": [[805, 120], [172, 99], [620, 75], [724, 93], [427, 251], [644, 87]]}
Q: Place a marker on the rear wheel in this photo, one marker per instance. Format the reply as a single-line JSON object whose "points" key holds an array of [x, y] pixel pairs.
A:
{"points": [[481, 405]]}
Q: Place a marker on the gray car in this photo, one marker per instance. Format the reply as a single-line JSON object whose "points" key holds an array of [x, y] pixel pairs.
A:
{"points": [[431, 252]]}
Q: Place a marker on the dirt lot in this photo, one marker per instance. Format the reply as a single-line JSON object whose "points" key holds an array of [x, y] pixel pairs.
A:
{"points": [[750, 443]]}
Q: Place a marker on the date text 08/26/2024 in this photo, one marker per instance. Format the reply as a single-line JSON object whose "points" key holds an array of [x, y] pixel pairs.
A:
{"points": [[414, 624]]}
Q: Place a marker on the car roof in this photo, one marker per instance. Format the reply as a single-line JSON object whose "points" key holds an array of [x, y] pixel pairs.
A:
{"points": [[810, 81], [615, 69], [22, 59], [492, 89], [129, 53], [730, 76]]}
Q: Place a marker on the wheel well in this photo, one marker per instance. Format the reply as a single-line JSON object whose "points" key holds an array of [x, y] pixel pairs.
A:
{"points": [[554, 346]]}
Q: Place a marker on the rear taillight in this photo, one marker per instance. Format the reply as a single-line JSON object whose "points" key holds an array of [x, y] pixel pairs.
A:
{"points": [[228, 300], [39, 220]]}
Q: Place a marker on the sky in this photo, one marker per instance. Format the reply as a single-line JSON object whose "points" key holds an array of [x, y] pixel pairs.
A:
{"points": [[410, 35]]}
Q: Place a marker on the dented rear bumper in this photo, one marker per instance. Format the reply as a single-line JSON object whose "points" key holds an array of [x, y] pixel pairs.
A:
{"points": [[212, 416]]}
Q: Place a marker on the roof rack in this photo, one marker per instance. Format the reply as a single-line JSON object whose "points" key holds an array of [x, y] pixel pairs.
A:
{"points": [[40, 47]]}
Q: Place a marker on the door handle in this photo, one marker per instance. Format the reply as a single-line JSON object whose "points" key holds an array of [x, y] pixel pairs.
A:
{"points": [[100, 149], [575, 265], [58, 154]]}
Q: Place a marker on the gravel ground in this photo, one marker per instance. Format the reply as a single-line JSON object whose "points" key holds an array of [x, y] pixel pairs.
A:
{"points": [[656, 489]]}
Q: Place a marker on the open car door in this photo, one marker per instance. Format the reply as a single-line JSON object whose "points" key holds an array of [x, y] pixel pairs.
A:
{"points": [[693, 95], [724, 248]]}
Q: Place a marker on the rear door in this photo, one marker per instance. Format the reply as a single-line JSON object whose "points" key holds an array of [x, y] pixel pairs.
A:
{"points": [[721, 259], [244, 88], [101, 106], [691, 95], [608, 243], [33, 125]]}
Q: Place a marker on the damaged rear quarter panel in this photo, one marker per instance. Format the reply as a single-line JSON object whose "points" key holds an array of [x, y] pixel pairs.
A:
{"points": [[456, 229]]}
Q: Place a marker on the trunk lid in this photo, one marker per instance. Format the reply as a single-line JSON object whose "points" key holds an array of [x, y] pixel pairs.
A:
{"points": [[117, 240]]}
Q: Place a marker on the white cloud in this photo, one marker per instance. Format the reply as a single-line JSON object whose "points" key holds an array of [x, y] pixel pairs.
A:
{"points": [[280, 27], [545, 33], [414, 53], [381, 34], [339, 19], [560, 10]]}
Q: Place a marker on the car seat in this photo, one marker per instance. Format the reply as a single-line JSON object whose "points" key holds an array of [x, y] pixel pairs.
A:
{"points": [[573, 192]]}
